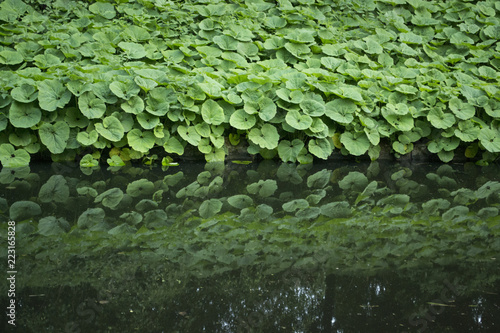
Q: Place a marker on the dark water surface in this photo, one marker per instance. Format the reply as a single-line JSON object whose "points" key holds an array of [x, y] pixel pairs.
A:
{"points": [[252, 248]]}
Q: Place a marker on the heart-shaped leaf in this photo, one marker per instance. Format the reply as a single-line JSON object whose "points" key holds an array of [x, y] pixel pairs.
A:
{"points": [[110, 128], [54, 136], [141, 141], [23, 115]]}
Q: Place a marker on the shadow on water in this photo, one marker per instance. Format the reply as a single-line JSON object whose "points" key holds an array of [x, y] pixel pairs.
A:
{"points": [[254, 248]]}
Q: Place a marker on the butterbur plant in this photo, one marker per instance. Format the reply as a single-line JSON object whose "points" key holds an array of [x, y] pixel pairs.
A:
{"points": [[293, 80]]}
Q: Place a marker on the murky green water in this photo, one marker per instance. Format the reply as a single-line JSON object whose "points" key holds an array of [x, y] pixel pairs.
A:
{"points": [[253, 248]]}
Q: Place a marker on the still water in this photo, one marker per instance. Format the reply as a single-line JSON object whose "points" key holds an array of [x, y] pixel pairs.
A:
{"points": [[252, 248]]}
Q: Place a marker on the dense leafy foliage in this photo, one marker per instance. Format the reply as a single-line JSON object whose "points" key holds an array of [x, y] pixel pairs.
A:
{"points": [[151, 76]]}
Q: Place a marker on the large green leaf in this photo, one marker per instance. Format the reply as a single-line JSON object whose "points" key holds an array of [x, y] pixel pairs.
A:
{"points": [[242, 120], [54, 136], [490, 139], [110, 128], [141, 141], [134, 105], [265, 137], [340, 110], [320, 148], [13, 158], [356, 143], [297, 120], [212, 112], [23, 115], [289, 151], [26, 93], [52, 94], [91, 106]]}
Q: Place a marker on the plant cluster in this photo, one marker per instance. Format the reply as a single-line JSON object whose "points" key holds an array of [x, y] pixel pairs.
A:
{"points": [[293, 78]]}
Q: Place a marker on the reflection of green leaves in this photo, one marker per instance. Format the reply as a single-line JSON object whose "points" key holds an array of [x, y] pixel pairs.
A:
{"points": [[55, 189], [50, 225], [293, 205], [110, 198], [337, 209], [264, 188], [210, 208], [140, 187], [90, 218], [240, 201], [354, 181], [22, 210]]}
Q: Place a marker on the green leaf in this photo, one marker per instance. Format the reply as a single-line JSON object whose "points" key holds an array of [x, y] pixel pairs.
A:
{"points": [[242, 120], [319, 179], [24, 115], [110, 128], [133, 50], [267, 108], [212, 112], [87, 138], [460, 109], [124, 90], [439, 119], [141, 141], [340, 110], [297, 120], [312, 107], [189, 134], [490, 139], [110, 198], [209, 208], [173, 146], [52, 94], [289, 151], [9, 57], [54, 136], [88, 161], [320, 148], [104, 9], [147, 121], [91, 106], [265, 137], [467, 131], [134, 105], [227, 43], [13, 158], [26, 93], [356, 143]]}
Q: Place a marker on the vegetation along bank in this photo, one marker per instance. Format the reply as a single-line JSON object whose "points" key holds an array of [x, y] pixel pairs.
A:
{"points": [[296, 80]]}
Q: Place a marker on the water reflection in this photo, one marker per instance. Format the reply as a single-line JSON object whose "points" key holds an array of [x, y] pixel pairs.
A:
{"points": [[255, 248]]}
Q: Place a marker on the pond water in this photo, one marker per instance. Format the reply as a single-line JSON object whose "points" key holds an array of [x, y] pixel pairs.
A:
{"points": [[263, 247]]}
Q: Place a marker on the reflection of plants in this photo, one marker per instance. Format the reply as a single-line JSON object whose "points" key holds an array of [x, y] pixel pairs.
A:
{"points": [[294, 85]]}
